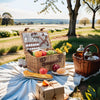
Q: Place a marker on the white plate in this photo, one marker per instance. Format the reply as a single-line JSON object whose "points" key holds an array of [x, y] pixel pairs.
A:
{"points": [[60, 74]]}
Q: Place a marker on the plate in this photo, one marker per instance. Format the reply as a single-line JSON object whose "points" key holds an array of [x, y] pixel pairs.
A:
{"points": [[60, 74]]}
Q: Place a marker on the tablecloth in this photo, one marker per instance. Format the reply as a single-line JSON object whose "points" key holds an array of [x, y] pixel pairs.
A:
{"points": [[14, 86]]}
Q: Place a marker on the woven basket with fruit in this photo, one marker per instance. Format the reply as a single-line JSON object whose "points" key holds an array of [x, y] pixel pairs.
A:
{"points": [[39, 52]]}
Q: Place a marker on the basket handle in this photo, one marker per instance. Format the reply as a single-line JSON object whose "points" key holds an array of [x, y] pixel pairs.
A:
{"points": [[98, 51], [26, 29]]}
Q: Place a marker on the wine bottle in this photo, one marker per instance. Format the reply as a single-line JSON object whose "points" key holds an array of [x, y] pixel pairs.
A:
{"points": [[79, 51]]}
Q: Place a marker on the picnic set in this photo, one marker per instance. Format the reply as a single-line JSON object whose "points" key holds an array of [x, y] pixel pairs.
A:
{"points": [[41, 59]]}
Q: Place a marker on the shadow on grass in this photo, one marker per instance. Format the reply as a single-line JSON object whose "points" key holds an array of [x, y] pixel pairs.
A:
{"points": [[90, 39], [94, 82], [96, 30]]}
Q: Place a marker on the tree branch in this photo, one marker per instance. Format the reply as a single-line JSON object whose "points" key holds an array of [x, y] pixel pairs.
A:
{"points": [[69, 5], [97, 8], [77, 6], [88, 5]]}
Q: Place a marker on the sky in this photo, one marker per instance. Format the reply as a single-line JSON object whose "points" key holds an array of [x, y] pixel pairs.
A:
{"points": [[22, 9]]}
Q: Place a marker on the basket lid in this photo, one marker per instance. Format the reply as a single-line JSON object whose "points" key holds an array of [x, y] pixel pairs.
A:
{"points": [[35, 40]]}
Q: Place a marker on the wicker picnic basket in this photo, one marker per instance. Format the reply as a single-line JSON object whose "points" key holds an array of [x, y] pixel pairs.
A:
{"points": [[39, 40], [86, 67]]}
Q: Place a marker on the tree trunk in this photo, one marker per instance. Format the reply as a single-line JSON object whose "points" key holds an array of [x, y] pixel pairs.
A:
{"points": [[73, 17], [72, 24], [93, 20]]}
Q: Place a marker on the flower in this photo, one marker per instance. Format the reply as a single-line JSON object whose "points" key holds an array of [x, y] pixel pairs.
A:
{"points": [[64, 48], [58, 50], [68, 44]]}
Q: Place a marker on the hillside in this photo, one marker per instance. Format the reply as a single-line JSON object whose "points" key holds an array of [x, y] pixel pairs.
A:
{"points": [[42, 21]]}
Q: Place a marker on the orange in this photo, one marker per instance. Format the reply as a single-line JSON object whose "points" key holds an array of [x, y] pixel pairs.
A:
{"points": [[38, 54]]}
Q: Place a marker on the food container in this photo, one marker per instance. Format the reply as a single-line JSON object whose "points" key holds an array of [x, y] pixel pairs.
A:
{"points": [[86, 67], [36, 41]]}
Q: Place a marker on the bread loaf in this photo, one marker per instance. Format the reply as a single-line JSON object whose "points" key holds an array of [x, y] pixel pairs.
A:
{"points": [[37, 75]]}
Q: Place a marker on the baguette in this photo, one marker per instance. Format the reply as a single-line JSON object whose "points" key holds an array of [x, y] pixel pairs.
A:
{"points": [[37, 75]]}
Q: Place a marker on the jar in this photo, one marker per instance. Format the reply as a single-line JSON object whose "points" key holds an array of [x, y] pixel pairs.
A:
{"points": [[79, 51], [87, 54]]}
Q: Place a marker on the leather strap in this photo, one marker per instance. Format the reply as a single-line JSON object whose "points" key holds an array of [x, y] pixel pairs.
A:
{"points": [[44, 63]]}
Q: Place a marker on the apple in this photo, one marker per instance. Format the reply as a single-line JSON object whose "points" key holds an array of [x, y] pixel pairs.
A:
{"points": [[43, 70], [33, 53], [55, 67], [49, 52], [44, 53]]}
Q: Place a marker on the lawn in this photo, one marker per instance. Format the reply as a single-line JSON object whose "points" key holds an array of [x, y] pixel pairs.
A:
{"points": [[86, 36], [82, 31], [9, 42]]}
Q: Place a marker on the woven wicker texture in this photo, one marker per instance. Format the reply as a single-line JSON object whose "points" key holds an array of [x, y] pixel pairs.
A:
{"points": [[86, 67], [35, 41]]}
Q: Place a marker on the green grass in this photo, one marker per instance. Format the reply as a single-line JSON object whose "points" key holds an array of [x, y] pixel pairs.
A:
{"points": [[77, 41], [12, 49], [8, 39], [16, 59], [87, 36], [94, 82]]}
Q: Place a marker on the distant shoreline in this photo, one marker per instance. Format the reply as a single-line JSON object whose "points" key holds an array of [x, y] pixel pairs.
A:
{"points": [[39, 26], [42, 21]]}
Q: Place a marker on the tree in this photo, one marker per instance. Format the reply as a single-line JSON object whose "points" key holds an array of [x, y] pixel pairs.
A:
{"points": [[94, 6], [84, 21], [0, 20], [7, 19], [98, 21], [73, 12]]}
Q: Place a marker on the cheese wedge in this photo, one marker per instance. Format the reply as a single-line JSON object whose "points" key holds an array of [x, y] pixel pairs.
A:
{"points": [[37, 75]]}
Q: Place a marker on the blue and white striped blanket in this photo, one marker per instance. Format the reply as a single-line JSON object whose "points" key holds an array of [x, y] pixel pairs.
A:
{"points": [[14, 86]]}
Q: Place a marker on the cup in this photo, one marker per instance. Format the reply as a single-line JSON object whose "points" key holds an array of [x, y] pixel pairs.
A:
{"points": [[20, 62]]}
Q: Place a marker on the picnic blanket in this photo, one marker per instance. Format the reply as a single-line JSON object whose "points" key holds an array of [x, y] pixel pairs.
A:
{"points": [[14, 86]]}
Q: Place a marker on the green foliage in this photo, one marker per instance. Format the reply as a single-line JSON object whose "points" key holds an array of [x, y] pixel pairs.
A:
{"points": [[58, 30], [65, 28], [92, 3], [91, 93], [50, 4], [51, 31], [8, 34], [94, 6], [20, 47], [2, 51], [98, 93], [0, 20], [11, 22], [7, 19], [16, 32], [77, 41], [13, 49], [5, 34], [6, 14]]}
